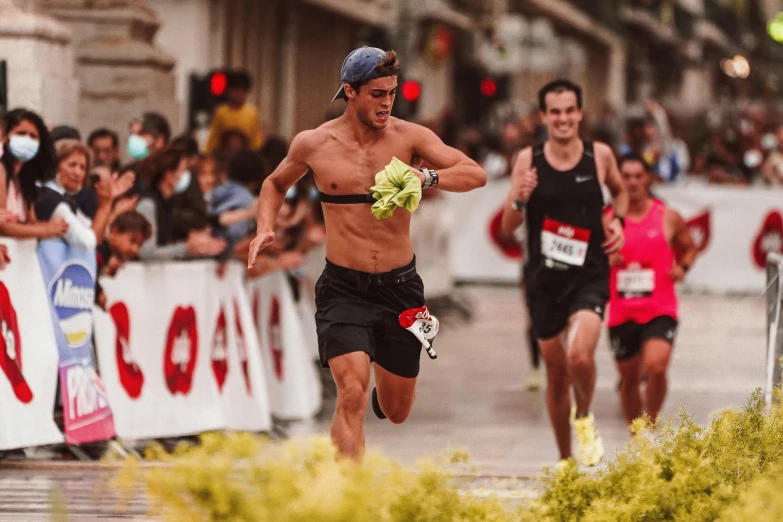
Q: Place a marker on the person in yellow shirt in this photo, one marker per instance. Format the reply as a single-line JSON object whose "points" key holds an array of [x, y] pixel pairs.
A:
{"points": [[235, 114]]}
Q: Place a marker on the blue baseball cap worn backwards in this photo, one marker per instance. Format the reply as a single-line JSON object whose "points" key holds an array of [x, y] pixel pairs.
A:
{"points": [[360, 66]]}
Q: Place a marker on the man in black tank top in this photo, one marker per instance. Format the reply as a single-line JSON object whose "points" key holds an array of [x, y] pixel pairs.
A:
{"points": [[556, 190]]}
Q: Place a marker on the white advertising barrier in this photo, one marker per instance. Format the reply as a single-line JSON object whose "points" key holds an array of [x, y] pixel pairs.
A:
{"points": [[29, 360], [476, 253], [431, 227], [734, 229], [294, 386], [173, 357]]}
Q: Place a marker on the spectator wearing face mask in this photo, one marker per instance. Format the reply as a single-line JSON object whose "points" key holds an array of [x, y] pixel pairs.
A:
{"points": [[190, 209], [28, 160], [148, 136], [772, 170], [86, 210], [163, 173]]}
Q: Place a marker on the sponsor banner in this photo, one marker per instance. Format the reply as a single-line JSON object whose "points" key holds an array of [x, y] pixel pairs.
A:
{"points": [[69, 276], [29, 360], [734, 228], [177, 351], [294, 386]]}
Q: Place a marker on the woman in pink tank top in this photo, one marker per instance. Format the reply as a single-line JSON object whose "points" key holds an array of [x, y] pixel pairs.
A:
{"points": [[643, 299]]}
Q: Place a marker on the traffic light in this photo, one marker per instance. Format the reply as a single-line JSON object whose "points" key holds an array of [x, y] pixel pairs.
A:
{"points": [[479, 91], [206, 93], [406, 104]]}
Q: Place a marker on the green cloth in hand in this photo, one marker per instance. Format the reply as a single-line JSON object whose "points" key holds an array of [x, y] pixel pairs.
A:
{"points": [[395, 186]]}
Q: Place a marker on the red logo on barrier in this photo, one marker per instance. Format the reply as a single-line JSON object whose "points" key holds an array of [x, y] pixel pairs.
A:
{"points": [[769, 239], [179, 359], [242, 347], [701, 230], [11, 345], [131, 377], [257, 309], [510, 249], [276, 337], [219, 351]]}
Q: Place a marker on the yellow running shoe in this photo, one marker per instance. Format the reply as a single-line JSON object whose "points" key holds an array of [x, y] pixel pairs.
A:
{"points": [[590, 447]]}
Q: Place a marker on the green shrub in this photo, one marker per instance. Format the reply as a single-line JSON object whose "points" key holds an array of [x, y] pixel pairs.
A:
{"points": [[729, 471]]}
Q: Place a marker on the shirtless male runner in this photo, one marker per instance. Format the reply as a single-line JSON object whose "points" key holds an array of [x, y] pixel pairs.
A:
{"points": [[370, 275], [643, 298], [556, 189]]}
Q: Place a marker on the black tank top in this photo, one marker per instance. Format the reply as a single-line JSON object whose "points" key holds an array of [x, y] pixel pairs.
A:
{"points": [[565, 231]]}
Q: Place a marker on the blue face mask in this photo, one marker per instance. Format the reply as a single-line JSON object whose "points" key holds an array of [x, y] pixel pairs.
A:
{"points": [[23, 148], [291, 194], [183, 183], [314, 194], [137, 147]]}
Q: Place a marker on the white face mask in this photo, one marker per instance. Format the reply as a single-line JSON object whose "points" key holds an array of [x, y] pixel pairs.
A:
{"points": [[769, 142], [183, 183], [24, 148]]}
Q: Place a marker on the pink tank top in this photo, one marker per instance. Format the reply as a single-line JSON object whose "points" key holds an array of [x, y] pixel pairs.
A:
{"points": [[641, 288]]}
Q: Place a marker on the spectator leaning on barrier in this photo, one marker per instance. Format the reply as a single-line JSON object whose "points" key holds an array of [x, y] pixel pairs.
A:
{"points": [[127, 233], [232, 206], [772, 170], [86, 210], [28, 160], [237, 114], [162, 172], [105, 147]]}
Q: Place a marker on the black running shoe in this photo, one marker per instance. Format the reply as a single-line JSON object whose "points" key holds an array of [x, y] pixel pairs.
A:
{"points": [[376, 406]]}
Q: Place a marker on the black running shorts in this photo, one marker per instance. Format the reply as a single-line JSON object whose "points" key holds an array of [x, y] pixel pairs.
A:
{"points": [[550, 309], [628, 338], [359, 312]]}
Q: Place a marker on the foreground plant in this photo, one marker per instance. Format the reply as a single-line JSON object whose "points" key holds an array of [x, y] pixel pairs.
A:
{"points": [[730, 471]]}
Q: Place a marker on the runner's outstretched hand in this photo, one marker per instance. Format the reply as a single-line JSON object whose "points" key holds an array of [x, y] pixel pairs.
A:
{"points": [[261, 241]]}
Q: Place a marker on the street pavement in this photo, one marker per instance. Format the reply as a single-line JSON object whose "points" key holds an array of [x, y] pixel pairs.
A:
{"points": [[472, 397]]}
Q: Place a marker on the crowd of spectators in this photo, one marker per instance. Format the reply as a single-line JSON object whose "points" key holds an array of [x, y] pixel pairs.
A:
{"points": [[172, 199]]}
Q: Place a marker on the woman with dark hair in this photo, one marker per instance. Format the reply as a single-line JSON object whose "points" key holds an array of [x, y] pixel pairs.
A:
{"points": [[163, 172], [27, 162]]}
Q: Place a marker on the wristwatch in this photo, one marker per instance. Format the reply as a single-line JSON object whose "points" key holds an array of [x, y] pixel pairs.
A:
{"points": [[518, 205], [430, 178]]}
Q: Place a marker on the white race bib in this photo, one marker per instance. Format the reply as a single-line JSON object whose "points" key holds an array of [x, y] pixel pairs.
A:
{"points": [[635, 282], [563, 244]]}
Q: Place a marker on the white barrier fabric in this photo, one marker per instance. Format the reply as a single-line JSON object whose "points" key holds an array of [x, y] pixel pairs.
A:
{"points": [[735, 228], [294, 386], [476, 254], [29, 360], [169, 351], [431, 226]]}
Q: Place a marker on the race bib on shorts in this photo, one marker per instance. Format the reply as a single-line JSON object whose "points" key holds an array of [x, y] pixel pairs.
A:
{"points": [[635, 281], [423, 325], [563, 246]]}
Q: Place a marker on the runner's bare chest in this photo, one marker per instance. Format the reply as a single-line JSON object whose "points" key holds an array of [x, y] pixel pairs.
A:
{"points": [[346, 167]]}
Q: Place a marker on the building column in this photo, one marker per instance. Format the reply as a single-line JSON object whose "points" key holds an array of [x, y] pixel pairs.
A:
{"points": [[40, 64], [122, 73]]}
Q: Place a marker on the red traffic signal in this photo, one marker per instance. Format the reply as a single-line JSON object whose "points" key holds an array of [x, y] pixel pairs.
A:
{"points": [[489, 87], [411, 90], [217, 84]]}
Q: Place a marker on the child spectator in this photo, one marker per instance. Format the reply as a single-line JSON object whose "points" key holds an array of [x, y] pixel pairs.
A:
{"points": [[128, 232], [237, 114]]}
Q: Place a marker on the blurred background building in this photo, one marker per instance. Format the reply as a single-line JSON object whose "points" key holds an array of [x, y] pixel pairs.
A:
{"points": [[100, 62]]}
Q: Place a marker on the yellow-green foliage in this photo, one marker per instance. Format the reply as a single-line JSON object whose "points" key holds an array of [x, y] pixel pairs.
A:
{"points": [[730, 471], [241, 477], [688, 473]]}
